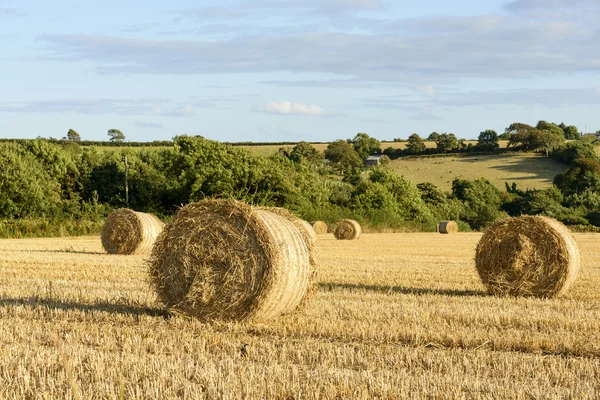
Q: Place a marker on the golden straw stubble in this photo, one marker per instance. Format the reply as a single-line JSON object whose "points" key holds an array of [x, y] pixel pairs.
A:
{"points": [[527, 256], [223, 259], [130, 232]]}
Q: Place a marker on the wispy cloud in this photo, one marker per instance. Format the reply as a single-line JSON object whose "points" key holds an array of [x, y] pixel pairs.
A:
{"points": [[432, 50], [521, 5], [12, 12], [157, 107], [290, 108], [451, 98], [150, 125]]}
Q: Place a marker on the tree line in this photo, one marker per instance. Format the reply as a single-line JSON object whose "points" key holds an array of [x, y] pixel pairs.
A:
{"points": [[54, 185]]}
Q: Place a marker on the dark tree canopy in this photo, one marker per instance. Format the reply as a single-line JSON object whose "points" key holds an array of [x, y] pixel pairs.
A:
{"points": [[571, 132], [488, 140], [433, 136], [306, 152], [447, 142], [365, 145], [342, 155], [116, 135], [415, 144], [73, 135]]}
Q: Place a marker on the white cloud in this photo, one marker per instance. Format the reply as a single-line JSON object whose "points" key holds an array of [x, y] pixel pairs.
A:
{"points": [[290, 108], [12, 12], [146, 124], [427, 90]]}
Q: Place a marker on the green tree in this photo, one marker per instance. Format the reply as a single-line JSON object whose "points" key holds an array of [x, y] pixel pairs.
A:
{"points": [[551, 128], [415, 144], [488, 140], [116, 135], [481, 201], [342, 155], [306, 152], [571, 132], [583, 175], [528, 138], [571, 151], [433, 136], [447, 142], [514, 129], [364, 145], [26, 188], [73, 135]]}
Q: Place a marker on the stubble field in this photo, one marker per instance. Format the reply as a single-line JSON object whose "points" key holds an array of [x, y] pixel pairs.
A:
{"points": [[395, 316]]}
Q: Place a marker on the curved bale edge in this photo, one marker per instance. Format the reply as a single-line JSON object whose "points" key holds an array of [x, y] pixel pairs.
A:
{"points": [[223, 259], [347, 229], [130, 232], [447, 227], [527, 256], [320, 227]]}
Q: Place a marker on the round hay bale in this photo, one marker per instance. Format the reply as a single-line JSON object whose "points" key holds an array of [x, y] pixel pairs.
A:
{"points": [[319, 227], [527, 256], [448, 227], [129, 232], [347, 229], [227, 260]]}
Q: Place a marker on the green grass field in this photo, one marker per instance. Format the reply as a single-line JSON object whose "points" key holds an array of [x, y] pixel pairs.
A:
{"points": [[529, 171]]}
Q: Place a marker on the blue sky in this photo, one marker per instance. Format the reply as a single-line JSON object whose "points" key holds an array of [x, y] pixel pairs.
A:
{"points": [[292, 70]]}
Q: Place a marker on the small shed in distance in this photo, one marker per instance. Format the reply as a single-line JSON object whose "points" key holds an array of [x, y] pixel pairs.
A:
{"points": [[372, 161]]}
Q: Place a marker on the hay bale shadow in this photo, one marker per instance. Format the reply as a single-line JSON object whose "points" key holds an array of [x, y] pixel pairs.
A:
{"points": [[401, 289], [112, 308]]}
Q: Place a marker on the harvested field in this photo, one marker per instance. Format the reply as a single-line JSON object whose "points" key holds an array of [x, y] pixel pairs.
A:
{"points": [[395, 316]]}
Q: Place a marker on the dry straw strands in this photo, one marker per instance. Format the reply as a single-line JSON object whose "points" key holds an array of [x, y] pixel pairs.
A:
{"points": [[347, 229], [320, 227], [527, 256], [129, 232], [225, 259], [447, 227]]}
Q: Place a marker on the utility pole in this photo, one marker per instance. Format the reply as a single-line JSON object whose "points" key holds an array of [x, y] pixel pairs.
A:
{"points": [[126, 183]]}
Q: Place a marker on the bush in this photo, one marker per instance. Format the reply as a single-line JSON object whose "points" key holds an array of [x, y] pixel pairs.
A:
{"points": [[481, 201], [583, 175], [572, 151]]}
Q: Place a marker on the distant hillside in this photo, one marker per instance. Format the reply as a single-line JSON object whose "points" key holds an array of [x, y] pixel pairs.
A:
{"points": [[528, 170]]}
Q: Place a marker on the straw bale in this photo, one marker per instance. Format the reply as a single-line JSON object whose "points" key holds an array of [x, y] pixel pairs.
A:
{"points": [[130, 232], [447, 227], [347, 229], [527, 256], [223, 259], [320, 227]]}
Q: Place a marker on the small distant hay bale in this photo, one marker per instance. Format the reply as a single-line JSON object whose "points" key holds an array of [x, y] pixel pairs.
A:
{"points": [[319, 227], [448, 227], [223, 259], [527, 256], [129, 232], [347, 229]]}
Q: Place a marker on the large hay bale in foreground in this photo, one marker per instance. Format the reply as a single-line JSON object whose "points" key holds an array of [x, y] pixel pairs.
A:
{"points": [[347, 229], [448, 227], [129, 232], [527, 256], [225, 259], [319, 227]]}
